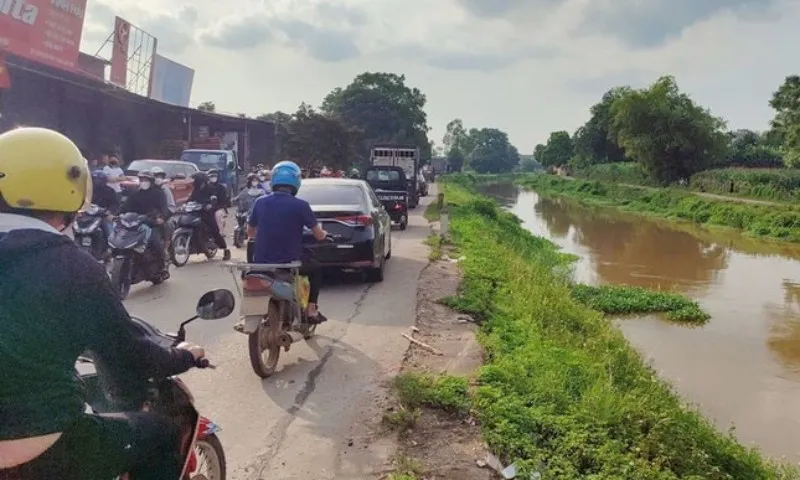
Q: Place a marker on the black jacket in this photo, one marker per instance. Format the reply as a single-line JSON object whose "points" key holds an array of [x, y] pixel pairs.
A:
{"points": [[56, 302], [105, 197], [203, 195], [151, 202]]}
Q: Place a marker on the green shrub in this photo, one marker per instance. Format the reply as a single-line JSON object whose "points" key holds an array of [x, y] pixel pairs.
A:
{"points": [[764, 183], [563, 388]]}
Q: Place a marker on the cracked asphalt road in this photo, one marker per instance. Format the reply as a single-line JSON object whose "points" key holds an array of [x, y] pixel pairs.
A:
{"points": [[298, 423]]}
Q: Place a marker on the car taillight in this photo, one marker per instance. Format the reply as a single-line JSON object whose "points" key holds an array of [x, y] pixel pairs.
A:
{"points": [[360, 220]]}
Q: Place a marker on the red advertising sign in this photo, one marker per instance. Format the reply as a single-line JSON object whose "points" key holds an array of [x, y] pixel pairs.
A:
{"points": [[5, 75], [119, 55], [45, 31]]}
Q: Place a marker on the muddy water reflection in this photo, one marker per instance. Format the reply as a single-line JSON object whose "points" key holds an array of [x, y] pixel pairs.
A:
{"points": [[744, 366]]}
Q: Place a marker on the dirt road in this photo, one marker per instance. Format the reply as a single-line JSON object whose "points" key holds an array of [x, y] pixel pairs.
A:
{"points": [[298, 423]]}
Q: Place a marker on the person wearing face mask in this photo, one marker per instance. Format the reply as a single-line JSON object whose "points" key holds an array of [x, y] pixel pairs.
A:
{"points": [[223, 198], [202, 192], [114, 173], [150, 200], [169, 226], [57, 302]]}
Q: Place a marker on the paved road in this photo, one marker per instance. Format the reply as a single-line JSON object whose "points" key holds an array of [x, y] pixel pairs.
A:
{"points": [[296, 423]]}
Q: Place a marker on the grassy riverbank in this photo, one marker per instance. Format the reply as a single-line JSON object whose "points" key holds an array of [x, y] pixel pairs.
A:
{"points": [[770, 221], [563, 391]]}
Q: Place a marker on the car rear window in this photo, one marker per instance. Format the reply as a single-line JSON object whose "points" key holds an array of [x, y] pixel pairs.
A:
{"points": [[139, 165], [383, 176], [332, 194]]}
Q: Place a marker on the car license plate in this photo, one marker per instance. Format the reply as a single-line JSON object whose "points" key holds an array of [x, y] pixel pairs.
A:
{"points": [[86, 241]]}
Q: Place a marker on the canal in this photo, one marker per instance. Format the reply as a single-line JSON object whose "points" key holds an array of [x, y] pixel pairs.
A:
{"points": [[742, 369]]}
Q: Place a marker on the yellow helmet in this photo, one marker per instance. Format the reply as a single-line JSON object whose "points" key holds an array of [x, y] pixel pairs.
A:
{"points": [[41, 169]]}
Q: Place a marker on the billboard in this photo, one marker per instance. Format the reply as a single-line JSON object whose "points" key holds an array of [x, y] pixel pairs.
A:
{"points": [[119, 53], [171, 82], [45, 31]]}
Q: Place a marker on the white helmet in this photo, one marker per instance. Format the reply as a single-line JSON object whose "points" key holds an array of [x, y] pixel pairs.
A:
{"points": [[156, 171]]}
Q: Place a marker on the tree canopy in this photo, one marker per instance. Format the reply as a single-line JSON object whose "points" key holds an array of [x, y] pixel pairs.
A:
{"points": [[484, 150], [207, 107], [383, 108]]}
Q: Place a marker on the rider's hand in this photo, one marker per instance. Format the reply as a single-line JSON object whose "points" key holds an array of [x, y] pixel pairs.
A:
{"points": [[197, 351], [159, 221]]}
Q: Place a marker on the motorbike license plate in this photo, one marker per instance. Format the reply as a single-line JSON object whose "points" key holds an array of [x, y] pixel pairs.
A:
{"points": [[86, 241]]}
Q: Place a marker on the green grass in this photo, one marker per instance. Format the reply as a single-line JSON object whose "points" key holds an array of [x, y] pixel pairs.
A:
{"points": [[432, 213], [768, 221], [562, 386], [434, 241], [415, 391], [624, 300]]}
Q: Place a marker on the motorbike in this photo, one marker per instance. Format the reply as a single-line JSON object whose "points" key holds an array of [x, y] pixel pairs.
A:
{"points": [[245, 202], [133, 260], [273, 308], [89, 234], [191, 236], [200, 447]]}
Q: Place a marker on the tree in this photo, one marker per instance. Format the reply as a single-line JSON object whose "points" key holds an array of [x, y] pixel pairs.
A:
{"points": [[281, 121], [383, 108], [317, 140], [538, 152], [786, 124], [207, 107], [558, 151], [666, 131], [593, 142], [455, 136], [455, 160], [529, 164], [747, 148], [492, 152]]}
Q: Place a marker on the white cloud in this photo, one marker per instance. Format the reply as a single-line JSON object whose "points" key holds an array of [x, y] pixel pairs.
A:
{"points": [[528, 68]]}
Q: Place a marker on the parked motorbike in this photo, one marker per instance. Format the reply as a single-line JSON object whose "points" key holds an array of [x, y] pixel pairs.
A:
{"points": [[273, 307], [89, 234], [245, 201], [201, 449], [133, 260], [191, 236]]}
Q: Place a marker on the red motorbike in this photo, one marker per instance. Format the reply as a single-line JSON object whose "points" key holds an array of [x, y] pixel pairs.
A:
{"points": [[199, 444]]}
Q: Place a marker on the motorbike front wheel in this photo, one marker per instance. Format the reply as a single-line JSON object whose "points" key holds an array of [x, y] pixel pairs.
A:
{"points": [[211, 464], [180, 250], [265, 340], [121, 276]]}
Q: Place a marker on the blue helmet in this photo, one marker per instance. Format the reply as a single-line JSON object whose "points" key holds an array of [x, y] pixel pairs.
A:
{"points": [[286, 174]]}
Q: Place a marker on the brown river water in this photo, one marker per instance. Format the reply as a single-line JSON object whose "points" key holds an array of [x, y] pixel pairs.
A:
{"points": [[742, 369]]}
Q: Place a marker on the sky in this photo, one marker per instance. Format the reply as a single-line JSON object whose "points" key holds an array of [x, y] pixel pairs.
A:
{"points": [[527, 67]]}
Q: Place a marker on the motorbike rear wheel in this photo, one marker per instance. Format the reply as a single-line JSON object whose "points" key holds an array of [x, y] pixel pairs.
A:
{"points": [[211, 248], [121, 276], [265, 339], [180, 249], [209, 452]]}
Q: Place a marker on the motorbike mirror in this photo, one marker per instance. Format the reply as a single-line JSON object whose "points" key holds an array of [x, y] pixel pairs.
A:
{"points": [[216, 304]]}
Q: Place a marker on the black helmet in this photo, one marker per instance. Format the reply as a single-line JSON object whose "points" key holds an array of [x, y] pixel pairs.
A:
{"points": [[251, 177], [200, 178]]}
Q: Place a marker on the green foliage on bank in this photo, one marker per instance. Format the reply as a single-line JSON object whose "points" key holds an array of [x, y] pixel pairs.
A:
{"points": [[622, 172], [770, 221], [625, 300], [781, 185], [563, 389]]}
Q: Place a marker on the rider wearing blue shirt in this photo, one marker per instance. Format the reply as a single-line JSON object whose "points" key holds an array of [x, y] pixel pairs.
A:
{"points": [[276, 223]]}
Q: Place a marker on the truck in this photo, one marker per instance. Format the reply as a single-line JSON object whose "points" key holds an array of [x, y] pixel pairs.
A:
{"points": [[210, 155], [405, 157]]}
